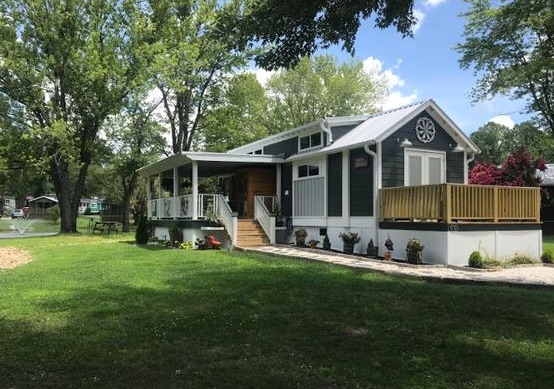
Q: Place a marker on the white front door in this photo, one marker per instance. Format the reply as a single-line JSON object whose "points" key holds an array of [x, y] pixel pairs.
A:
{"points": [[424, 167]]}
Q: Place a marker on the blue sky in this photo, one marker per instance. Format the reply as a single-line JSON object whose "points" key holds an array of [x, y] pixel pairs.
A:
{"points": [[426, 66]]}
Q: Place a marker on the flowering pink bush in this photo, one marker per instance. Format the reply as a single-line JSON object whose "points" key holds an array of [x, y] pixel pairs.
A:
{"points": [[519, 169]]}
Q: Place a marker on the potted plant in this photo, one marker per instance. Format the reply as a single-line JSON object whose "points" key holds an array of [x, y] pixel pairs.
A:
{"points": [[313, 243], [390, 248], [371, 250], [414, 251], [300, 236], [326, 243], [349, 239]]}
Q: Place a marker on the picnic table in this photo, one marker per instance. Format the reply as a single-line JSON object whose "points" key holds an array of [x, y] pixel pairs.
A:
{"points": [[105, 226]]}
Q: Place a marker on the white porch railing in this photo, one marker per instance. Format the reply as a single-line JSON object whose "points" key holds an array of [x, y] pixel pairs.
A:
{"points": [[208, 205], [264, 217]]}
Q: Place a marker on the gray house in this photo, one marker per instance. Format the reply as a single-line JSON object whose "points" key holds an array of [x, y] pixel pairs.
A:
{"points": [[399, 174]]}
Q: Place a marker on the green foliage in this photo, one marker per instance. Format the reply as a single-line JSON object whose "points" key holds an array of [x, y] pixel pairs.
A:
{"points": [[141, 234], [54, 213], [175, 236], [350, 237], [319, 87], [509, 46], [476, 260], [300, 236], [289, 30], [547, 257], [521, 259]]}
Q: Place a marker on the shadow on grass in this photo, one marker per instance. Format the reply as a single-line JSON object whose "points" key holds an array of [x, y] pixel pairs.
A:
{"points": [[236, 321]]}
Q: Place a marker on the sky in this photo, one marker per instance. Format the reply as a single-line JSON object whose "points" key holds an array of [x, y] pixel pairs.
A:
{"points": [[426, 66]]}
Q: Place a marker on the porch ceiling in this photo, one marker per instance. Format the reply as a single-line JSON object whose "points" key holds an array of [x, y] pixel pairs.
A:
{"points": [[209, 164]]}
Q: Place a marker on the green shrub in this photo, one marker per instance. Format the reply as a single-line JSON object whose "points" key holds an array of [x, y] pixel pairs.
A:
{"points": [[175, 236], [87, 211], [547, 257], [141, 234], [521, 259], [489, 262], [476, 260], [54, 213]]}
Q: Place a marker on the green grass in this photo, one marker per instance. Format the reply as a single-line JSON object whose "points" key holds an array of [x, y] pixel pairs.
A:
{"points": [[41, 224], [96, 311]]}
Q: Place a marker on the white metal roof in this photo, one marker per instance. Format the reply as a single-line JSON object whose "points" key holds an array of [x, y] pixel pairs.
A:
{"points": [[547, 177], [374, 126]]}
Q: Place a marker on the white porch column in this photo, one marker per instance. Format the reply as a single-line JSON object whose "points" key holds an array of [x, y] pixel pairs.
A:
{"points": [[175, 192], [149, 197], [278, 183], [194, 190]]}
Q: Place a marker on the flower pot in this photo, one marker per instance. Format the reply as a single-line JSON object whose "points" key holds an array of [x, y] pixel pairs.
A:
{"points": [[348, 248], [388, 256], [414, 257]]}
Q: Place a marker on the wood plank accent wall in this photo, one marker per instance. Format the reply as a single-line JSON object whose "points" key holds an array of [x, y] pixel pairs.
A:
{"points": [[260, 182], [460, 203]]}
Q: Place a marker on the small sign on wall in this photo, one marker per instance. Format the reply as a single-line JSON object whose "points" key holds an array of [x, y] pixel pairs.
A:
{"points": [[362, 161]]}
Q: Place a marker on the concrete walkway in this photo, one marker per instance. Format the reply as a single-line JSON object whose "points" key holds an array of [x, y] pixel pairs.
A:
{"points": [[524, 275]]}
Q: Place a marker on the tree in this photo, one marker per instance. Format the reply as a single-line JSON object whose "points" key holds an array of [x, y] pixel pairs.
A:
{"points": [[68, 65], [319, 87], [194, 57], [511, 46], [519, 169], [238, 118], [497, 141], [136, 140], [291, 30]]}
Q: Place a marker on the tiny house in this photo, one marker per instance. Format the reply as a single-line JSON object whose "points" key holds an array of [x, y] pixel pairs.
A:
{"points": [[398, 174]]}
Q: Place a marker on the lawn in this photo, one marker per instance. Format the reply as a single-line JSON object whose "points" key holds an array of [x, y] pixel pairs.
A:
{"points": [[97, 311], [37, 224]]}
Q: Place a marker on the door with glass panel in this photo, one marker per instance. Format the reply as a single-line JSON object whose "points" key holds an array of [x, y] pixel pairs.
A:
{"points": [[424, 168]]}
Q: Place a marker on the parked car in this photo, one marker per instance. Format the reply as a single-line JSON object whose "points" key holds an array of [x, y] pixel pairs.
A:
{"points": [[18, 213]]}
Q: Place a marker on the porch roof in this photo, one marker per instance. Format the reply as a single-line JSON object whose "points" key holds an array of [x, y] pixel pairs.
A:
{"points": [[209, 163]]}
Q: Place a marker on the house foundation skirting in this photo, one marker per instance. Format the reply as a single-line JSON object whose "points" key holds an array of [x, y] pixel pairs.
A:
{"points": [[451, 244], [190, 230]]}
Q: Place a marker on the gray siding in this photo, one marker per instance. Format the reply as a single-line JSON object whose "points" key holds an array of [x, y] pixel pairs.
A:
{"points": [[287, 147], [339, 131], [361, 185], [393, 155], [308, 197], [334, 185]]}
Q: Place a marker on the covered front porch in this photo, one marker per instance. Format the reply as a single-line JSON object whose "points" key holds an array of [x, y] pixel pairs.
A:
{"points": [[203, 188]]}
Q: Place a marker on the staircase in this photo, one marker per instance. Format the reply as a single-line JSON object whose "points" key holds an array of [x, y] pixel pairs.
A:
{"points": [[251, 234]]}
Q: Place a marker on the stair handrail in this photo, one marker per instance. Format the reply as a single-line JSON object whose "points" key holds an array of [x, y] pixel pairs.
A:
{"points": [[227, 217], [264, 217]]}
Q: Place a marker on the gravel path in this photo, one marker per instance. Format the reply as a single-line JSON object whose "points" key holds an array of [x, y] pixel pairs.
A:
{"points": [[536, 275]]}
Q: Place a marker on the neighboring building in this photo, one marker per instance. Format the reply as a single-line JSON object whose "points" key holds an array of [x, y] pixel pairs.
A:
{"points": [[39, 206], [94, 205], [399, 174]]}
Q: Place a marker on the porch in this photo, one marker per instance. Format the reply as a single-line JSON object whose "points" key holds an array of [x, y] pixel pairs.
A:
{"points": [[453, 220], [457, 203]]}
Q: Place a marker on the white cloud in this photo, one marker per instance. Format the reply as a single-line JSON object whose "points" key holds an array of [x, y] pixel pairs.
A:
{"points": [[504, 120], [396, 96], [433, 3], [263, 75], [420, 16]]}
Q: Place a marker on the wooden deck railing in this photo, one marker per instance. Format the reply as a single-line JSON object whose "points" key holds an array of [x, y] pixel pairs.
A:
{"points": [[450, 203]]}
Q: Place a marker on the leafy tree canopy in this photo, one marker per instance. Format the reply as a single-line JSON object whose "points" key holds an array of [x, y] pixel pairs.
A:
{"points": [[290, 30], [510, 45]]}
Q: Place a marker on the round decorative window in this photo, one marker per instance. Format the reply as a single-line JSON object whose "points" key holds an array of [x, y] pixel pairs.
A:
{"points": [[425, 130]]}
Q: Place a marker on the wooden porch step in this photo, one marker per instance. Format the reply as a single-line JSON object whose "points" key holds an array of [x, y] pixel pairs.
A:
{"points": [[251, 234]]}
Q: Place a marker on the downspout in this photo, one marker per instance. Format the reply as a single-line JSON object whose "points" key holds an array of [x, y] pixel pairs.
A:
{"points": [[325, 128], [375, 191]]}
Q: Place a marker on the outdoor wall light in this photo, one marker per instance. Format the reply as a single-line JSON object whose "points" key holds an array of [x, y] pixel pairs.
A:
{"points": [[406, 143], [458, 149]]}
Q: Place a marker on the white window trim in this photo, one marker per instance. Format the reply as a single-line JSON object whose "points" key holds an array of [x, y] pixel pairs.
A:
{"points": [[297, 165], [425, 154], [309, 136]]}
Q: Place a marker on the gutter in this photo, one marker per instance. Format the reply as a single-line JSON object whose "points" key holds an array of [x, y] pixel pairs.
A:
{"points": [[325, 128], [375, 190]]}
